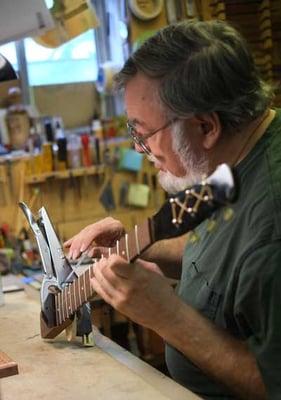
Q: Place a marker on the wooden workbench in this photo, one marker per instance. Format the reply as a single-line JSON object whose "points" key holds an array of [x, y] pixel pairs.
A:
{"points": [[61, 370]]}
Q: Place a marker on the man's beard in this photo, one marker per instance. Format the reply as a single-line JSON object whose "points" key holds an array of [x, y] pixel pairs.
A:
{"points": [[196, 166]]}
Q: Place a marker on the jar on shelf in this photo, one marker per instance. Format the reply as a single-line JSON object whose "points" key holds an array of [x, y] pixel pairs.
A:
{"points": [[17, 119]]}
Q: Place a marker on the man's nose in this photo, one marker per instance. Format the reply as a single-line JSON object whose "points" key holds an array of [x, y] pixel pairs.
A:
{"points": [[138, 148]]}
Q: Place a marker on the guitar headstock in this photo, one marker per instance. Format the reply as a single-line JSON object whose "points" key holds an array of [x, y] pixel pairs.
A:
{"points": [[189, 208]]}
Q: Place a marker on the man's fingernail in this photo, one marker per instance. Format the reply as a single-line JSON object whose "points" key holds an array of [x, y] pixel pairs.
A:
{"points": [[83, 248]]}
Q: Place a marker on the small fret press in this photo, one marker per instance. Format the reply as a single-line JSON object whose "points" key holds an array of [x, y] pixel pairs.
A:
{"points": [[64, 293]]}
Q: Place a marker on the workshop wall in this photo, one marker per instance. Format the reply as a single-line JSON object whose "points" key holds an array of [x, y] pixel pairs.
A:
{"points": [[259, 22]]}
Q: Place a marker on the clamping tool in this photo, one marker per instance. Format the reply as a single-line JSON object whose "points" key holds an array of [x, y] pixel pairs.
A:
{"points": [[57, 272]]}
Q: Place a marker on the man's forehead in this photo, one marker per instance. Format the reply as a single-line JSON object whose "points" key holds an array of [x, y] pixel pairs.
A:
{"points": [[142, 88], [141, 104]]}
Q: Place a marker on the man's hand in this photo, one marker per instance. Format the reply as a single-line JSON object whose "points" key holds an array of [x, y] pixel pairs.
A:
{"points": [[138, 290], [102, 233]]}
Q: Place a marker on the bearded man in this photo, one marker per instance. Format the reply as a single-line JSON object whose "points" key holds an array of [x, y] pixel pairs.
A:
{"points": [[195, 99]]}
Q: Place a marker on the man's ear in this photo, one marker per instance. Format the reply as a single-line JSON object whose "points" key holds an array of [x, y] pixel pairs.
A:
{"points": [[210, 127]]}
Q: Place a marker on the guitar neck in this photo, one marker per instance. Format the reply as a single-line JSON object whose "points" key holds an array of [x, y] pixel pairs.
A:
{"points": [[75, 294], [177, 216]]}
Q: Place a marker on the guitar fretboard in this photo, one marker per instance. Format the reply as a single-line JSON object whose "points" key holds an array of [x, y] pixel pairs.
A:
{"points": [[73, 296]]}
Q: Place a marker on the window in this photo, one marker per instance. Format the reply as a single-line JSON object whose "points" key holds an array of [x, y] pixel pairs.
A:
{"points": [[74, 61], [9, 51]]}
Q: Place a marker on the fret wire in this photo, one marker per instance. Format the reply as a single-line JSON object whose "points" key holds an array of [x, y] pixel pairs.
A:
{"points": [[71, 288], [78, 284], [57, 309], [118, 247], [84, 284], [62, 306], [122, 247], [87, 282], [82, 289], [74, 291], [60, 303], [109, 251], [65, 302], [127, 247], [70, 302], [137, 239]]}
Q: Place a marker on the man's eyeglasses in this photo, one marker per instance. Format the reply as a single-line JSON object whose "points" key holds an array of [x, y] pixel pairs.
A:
{"points": [[140, 139]]}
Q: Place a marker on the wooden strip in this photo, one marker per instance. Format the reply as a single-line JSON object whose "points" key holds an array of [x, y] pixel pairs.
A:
{"points": [[70, 305], [79, 293], [8, 367], [114, 250], [60, 307], [82, 289], [64, 291], [92, 271], [67, 303], [145, 235], [122, 248], [87, 283], [127, 246], [57, 309], [63, 305], [76, 294], [73, 300]]}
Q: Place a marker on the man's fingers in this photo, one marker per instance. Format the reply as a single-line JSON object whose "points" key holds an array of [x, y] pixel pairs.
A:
{"points": [[94, 252], [98, 252], [102, 233], [68, 243], [104, 276], [100, 290], [149, 266], [120, 266], [78, 247]]}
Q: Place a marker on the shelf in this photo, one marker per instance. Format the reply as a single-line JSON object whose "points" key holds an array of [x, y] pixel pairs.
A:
{"points": [[66, 174]]}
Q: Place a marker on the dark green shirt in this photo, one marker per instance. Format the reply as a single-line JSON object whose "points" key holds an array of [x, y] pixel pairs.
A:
{"points": [[232, 273]]}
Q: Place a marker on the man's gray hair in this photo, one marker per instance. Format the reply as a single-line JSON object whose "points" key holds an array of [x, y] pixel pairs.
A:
{"points": [[202, 67]]}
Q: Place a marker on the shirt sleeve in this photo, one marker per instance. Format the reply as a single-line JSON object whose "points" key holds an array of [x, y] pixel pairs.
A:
{"points": [[257, 310]]}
